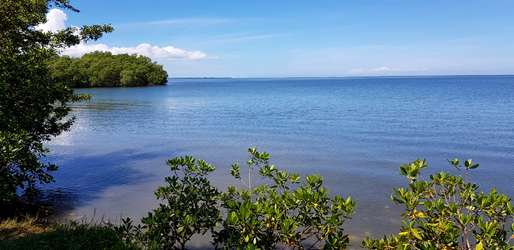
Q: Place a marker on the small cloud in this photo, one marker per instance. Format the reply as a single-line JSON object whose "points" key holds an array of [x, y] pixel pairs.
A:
{"points": [[145, 49], [381, 69], [55, 21], [377, 70]]}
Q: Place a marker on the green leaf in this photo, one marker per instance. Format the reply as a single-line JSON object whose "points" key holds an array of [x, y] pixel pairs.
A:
{"points": [[474, 166], [455, 162], [235, 171], [479, 246], [416, 234]]}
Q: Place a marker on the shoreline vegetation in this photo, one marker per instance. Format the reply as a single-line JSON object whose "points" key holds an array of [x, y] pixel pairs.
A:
{"points": [[103, 69], [284, 210]]}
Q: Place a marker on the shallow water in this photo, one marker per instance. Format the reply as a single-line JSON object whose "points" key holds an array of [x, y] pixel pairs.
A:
{"points": [[354, 131]]}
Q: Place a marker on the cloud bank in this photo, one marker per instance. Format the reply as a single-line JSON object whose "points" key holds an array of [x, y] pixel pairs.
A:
{"points": [[145, 49], [56, 20]]}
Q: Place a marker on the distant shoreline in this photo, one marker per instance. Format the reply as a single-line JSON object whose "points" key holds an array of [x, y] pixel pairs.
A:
{"points": [[123, 87], [171, 79]]}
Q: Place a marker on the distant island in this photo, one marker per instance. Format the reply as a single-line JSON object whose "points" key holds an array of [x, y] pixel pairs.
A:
{"points": [[103, 69]]}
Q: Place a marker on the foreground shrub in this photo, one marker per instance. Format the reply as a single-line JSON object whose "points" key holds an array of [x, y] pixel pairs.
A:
{"points": [[189, 208], [277, 209], [447, 212], [283, 211]]}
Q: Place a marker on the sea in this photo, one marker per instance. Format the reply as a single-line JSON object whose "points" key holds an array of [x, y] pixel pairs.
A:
{"points": [[354, 131]]}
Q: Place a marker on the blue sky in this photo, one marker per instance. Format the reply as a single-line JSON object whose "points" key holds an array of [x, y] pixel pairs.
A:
{"points": [[310, 38]]}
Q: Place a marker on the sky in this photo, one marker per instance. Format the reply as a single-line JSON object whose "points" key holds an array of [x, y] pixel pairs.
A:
{"points": [[300, 38]]}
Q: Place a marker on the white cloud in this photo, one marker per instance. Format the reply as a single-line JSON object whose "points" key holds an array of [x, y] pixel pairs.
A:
{"points": [[377, 70], [381, 69], [145, 49], [55, 21]]}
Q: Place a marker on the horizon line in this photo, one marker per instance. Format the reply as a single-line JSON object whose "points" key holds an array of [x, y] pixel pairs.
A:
{"points": [[363, 76]]}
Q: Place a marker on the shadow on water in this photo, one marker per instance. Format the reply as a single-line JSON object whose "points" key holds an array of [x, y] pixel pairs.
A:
{"points": [[81, 179]]}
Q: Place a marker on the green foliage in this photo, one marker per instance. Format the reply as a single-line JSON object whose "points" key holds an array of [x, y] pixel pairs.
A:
{"points": [[189, 208], [283, 211], [102, 69], [20, 165], [447, 212], [33, 107]]}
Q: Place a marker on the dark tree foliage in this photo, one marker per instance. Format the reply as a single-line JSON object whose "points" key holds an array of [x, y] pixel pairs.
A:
{"points": [[33, 107], [103, 69]]}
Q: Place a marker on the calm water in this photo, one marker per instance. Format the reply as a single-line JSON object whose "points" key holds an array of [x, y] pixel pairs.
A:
{"points": [[354, 131]]}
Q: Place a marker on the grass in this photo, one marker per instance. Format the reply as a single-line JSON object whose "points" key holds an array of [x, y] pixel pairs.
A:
{"points": [[11, 229], [27, 233]]}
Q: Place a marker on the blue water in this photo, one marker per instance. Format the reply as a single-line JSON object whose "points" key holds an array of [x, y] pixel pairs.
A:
{"points": [[354, 131]]}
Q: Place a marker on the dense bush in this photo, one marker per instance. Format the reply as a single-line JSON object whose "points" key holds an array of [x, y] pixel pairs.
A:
{"points": [[282, 211], [33, 107], [189, 208], [103, 69], [277, 209], [447, 212]]}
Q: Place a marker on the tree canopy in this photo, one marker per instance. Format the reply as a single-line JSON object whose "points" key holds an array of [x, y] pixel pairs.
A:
{"points": [[33, 107], [103, 69]]}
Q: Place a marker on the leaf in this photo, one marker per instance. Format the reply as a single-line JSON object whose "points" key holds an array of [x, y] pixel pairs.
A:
{"points": [[474, 166], [455, 163], [479, 246], [418, 214], [232, 218], [235, 171], [403, 233], [416, 234], [295, 178]]}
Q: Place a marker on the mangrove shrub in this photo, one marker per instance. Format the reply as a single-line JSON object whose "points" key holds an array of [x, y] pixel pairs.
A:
{"points": [[448, 212], [285, 210], [103, 69], [189, 208]]}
